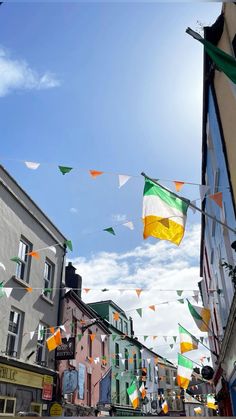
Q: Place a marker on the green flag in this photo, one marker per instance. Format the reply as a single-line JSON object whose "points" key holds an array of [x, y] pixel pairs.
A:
{"points": [[68, 244], [16, 259], [223, 61], [179, 292], [110, 230], [139, 311], [114, 337], [64, 169]]}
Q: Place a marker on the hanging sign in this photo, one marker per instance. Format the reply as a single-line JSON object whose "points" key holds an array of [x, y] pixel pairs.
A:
{"points": [[66, 350]]}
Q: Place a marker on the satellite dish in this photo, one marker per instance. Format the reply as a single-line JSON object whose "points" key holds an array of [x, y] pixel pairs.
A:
{"points": [[154, 404], [207, 372]]}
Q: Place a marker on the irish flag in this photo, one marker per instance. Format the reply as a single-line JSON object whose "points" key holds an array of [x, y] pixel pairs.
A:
{"points": [[184, 371], [201, 316], [133, 395], [211, 403], [164, 407], [187, 341], [164, 214]]}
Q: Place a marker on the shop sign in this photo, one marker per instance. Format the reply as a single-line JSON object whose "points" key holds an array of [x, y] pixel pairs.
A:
{"points": [[48, 379], [81, 381], [56, 409], [47, 391], [66, 350], [19, 376], [70, 380]]}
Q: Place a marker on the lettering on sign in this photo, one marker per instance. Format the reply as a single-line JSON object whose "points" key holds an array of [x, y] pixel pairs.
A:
{"points": [[8, 374]]}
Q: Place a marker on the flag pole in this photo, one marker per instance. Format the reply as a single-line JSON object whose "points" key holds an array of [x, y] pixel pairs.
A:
{"points": [[213, 352], [190, 204]]}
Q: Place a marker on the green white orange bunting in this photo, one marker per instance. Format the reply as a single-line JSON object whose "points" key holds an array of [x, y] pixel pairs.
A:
{"points": [[133, 395], [164, 214], [201, 316], [211, 403], [109, 230], [184, 371], [165, 407], [68, 243], [187, 341]]}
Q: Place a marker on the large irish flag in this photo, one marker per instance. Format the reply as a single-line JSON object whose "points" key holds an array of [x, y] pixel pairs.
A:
{"points": [[184, 371], [201, 316], [133, 395], [187, 341], [164, 214]]}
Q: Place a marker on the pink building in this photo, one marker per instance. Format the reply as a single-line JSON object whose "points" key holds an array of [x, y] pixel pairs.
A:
{"points": [[80, 375]]}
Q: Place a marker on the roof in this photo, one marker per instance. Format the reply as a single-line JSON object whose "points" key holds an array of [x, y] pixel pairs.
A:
{"points": [[111, 303], [24, 204]]}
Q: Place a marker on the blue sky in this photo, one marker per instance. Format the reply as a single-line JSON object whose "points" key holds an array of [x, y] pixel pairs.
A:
{"points": [[114, 87]]}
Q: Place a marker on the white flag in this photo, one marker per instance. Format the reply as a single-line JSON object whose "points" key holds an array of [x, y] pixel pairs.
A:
{"points": [[129, 225], [2, 266], [7, 291], [123, 179], [103, 337], [203, 189], [62, 327], [31, 335], [123, 361], [32, 165]]}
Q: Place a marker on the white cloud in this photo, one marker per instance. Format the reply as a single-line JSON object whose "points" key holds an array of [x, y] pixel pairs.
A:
{"points": [[73, 210], [152, 267], [18, 75]]}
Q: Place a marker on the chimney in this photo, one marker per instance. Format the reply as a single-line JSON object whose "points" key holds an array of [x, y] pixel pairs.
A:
{"points": [[73, 280], [131, 327]]}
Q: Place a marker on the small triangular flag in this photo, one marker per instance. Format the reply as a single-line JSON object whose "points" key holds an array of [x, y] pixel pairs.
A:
{"points": [[179, 292], [139, 311], [7, 291], [32, 165], [68, 243], [165, 338], [64, 169], [67, 289], [181, 301], [110, 230], [203, 189], [152, 307], [16, 259], [121, 291], [201, 339], [217, 197], [171, 345], [123, 179], [62, 327], [148, 360], [208, 359], [95, 173], [114, 337], [31, 335], [35, 255], [87, 290], [175, 338], [29, 289], [154, 337], [138, 291], [103, 337], [178, 185], [92, 336], [79, 336], [145, 338], [129, 225]]}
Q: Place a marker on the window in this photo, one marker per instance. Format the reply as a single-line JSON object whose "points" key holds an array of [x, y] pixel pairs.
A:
{"points": [[36, 407], [48, 278], [12, 348], [117, 391], [234, 43], [41, 351], [103, 349], [22, 267], [135, 362], [127, 396], [117, 363], [126, 359], [121, 325], [155, 375], [126, 328], [167, 376], [7, 406], [74, 326], [149, 372]]}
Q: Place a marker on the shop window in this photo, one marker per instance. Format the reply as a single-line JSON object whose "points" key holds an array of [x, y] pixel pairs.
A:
{"points": [[12, 348], [22, 266], [118, 391], [127, 396], [167, 376], [48, 278], [135, 363], [126, 359], [36, 407], [7, 406], [41, 351]]}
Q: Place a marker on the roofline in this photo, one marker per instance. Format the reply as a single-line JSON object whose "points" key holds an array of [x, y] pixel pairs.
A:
{"points": [[110, 302], [72, 294], [31, 200]]}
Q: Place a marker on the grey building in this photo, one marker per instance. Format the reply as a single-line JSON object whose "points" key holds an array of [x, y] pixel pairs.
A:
{"points": [[27, 374]]}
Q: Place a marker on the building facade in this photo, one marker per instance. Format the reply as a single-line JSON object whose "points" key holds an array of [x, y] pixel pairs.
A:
{"points": [[125, 358], [81, 369], [168, 389], [29, 300], [149, 366], [218, 172]]}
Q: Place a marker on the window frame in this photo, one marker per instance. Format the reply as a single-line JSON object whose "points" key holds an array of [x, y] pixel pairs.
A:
{"points": [[5, 403], [33, 405], [48, 283], [14, 334], [24, 263], [117, 358], [41, 344]]}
